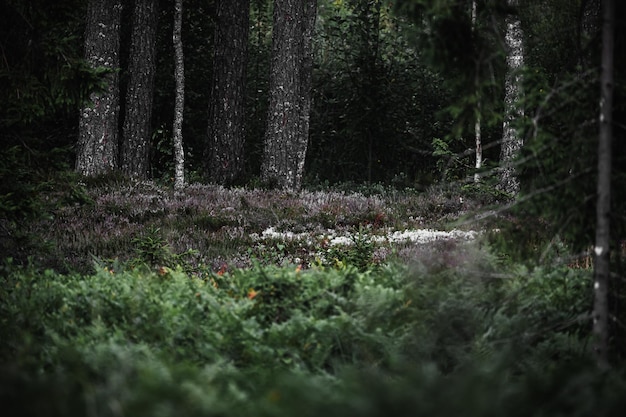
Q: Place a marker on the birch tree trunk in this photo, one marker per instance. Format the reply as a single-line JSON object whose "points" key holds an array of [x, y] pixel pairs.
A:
{"points": [[479, 142], [97, 147], [179, 106], [137, 132], [287, 132], [511, 141], [226, 132], [477, 122], [603, 209]]}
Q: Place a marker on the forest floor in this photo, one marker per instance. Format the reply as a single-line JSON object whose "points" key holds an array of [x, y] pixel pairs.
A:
{"points": [[214, 227], [371, 301]]}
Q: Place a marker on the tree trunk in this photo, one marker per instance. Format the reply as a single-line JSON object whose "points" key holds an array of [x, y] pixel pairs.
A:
{"points": [[478, 120], [179, 106], [97, 146], [603, 209], [135, 158], [479, 142], [287, 132], [226, 132], [306, 80], [511, 141]]}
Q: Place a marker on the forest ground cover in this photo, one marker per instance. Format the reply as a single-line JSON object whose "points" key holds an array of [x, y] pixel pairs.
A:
{"points": [[207, 225], [137, 300]]}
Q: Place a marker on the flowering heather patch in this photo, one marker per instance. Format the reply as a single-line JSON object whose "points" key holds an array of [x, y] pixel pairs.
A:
{"points": [[215, 226]]}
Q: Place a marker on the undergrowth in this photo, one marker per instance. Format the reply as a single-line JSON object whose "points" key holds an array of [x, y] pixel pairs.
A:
{"points": [[126, 298], [268, 340], [110, 217]]}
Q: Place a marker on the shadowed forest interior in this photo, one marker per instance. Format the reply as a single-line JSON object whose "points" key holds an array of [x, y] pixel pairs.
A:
{"points": [[280, 207]]}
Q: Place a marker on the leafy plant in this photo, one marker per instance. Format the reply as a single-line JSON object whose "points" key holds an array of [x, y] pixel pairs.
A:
{"points": [[358, 254], [280, 340], [153, 250]]}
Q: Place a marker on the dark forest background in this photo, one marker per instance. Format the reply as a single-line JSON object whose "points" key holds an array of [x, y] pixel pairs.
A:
{"points": [[127, 296], [391, 104], [395, 92]]}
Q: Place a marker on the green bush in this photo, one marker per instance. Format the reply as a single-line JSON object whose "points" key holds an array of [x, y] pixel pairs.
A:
{"points": [[280, 341]]}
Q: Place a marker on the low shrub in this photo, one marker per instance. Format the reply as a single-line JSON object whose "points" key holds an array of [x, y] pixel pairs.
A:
{"points": [[279, 341]]}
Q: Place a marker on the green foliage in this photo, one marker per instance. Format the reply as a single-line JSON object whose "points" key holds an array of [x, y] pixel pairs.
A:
{"points": [[284, 341], [555, 304], [467, 52], [44, 76], [560, 187], [368, 124], [152, 250], [358, 254], [18, 198], [557, 200], [159, 333], [27, 174], [451, 166], [558, 162], [32, 189]]}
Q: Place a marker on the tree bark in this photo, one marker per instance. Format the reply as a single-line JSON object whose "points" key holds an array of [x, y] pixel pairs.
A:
{"points": [[478, 120], [511, 141], [479, 142], [603, 209], [97, 146], [287, 131], [306, 80], [179, 106], [135, 157], [226, 132]]}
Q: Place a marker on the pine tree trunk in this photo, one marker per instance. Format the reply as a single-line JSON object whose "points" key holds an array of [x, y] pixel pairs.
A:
{"points": [[226, 132], [137, 132], [287, 131], [179, 106], [97, 147], [602, 247], [511, 141]]}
